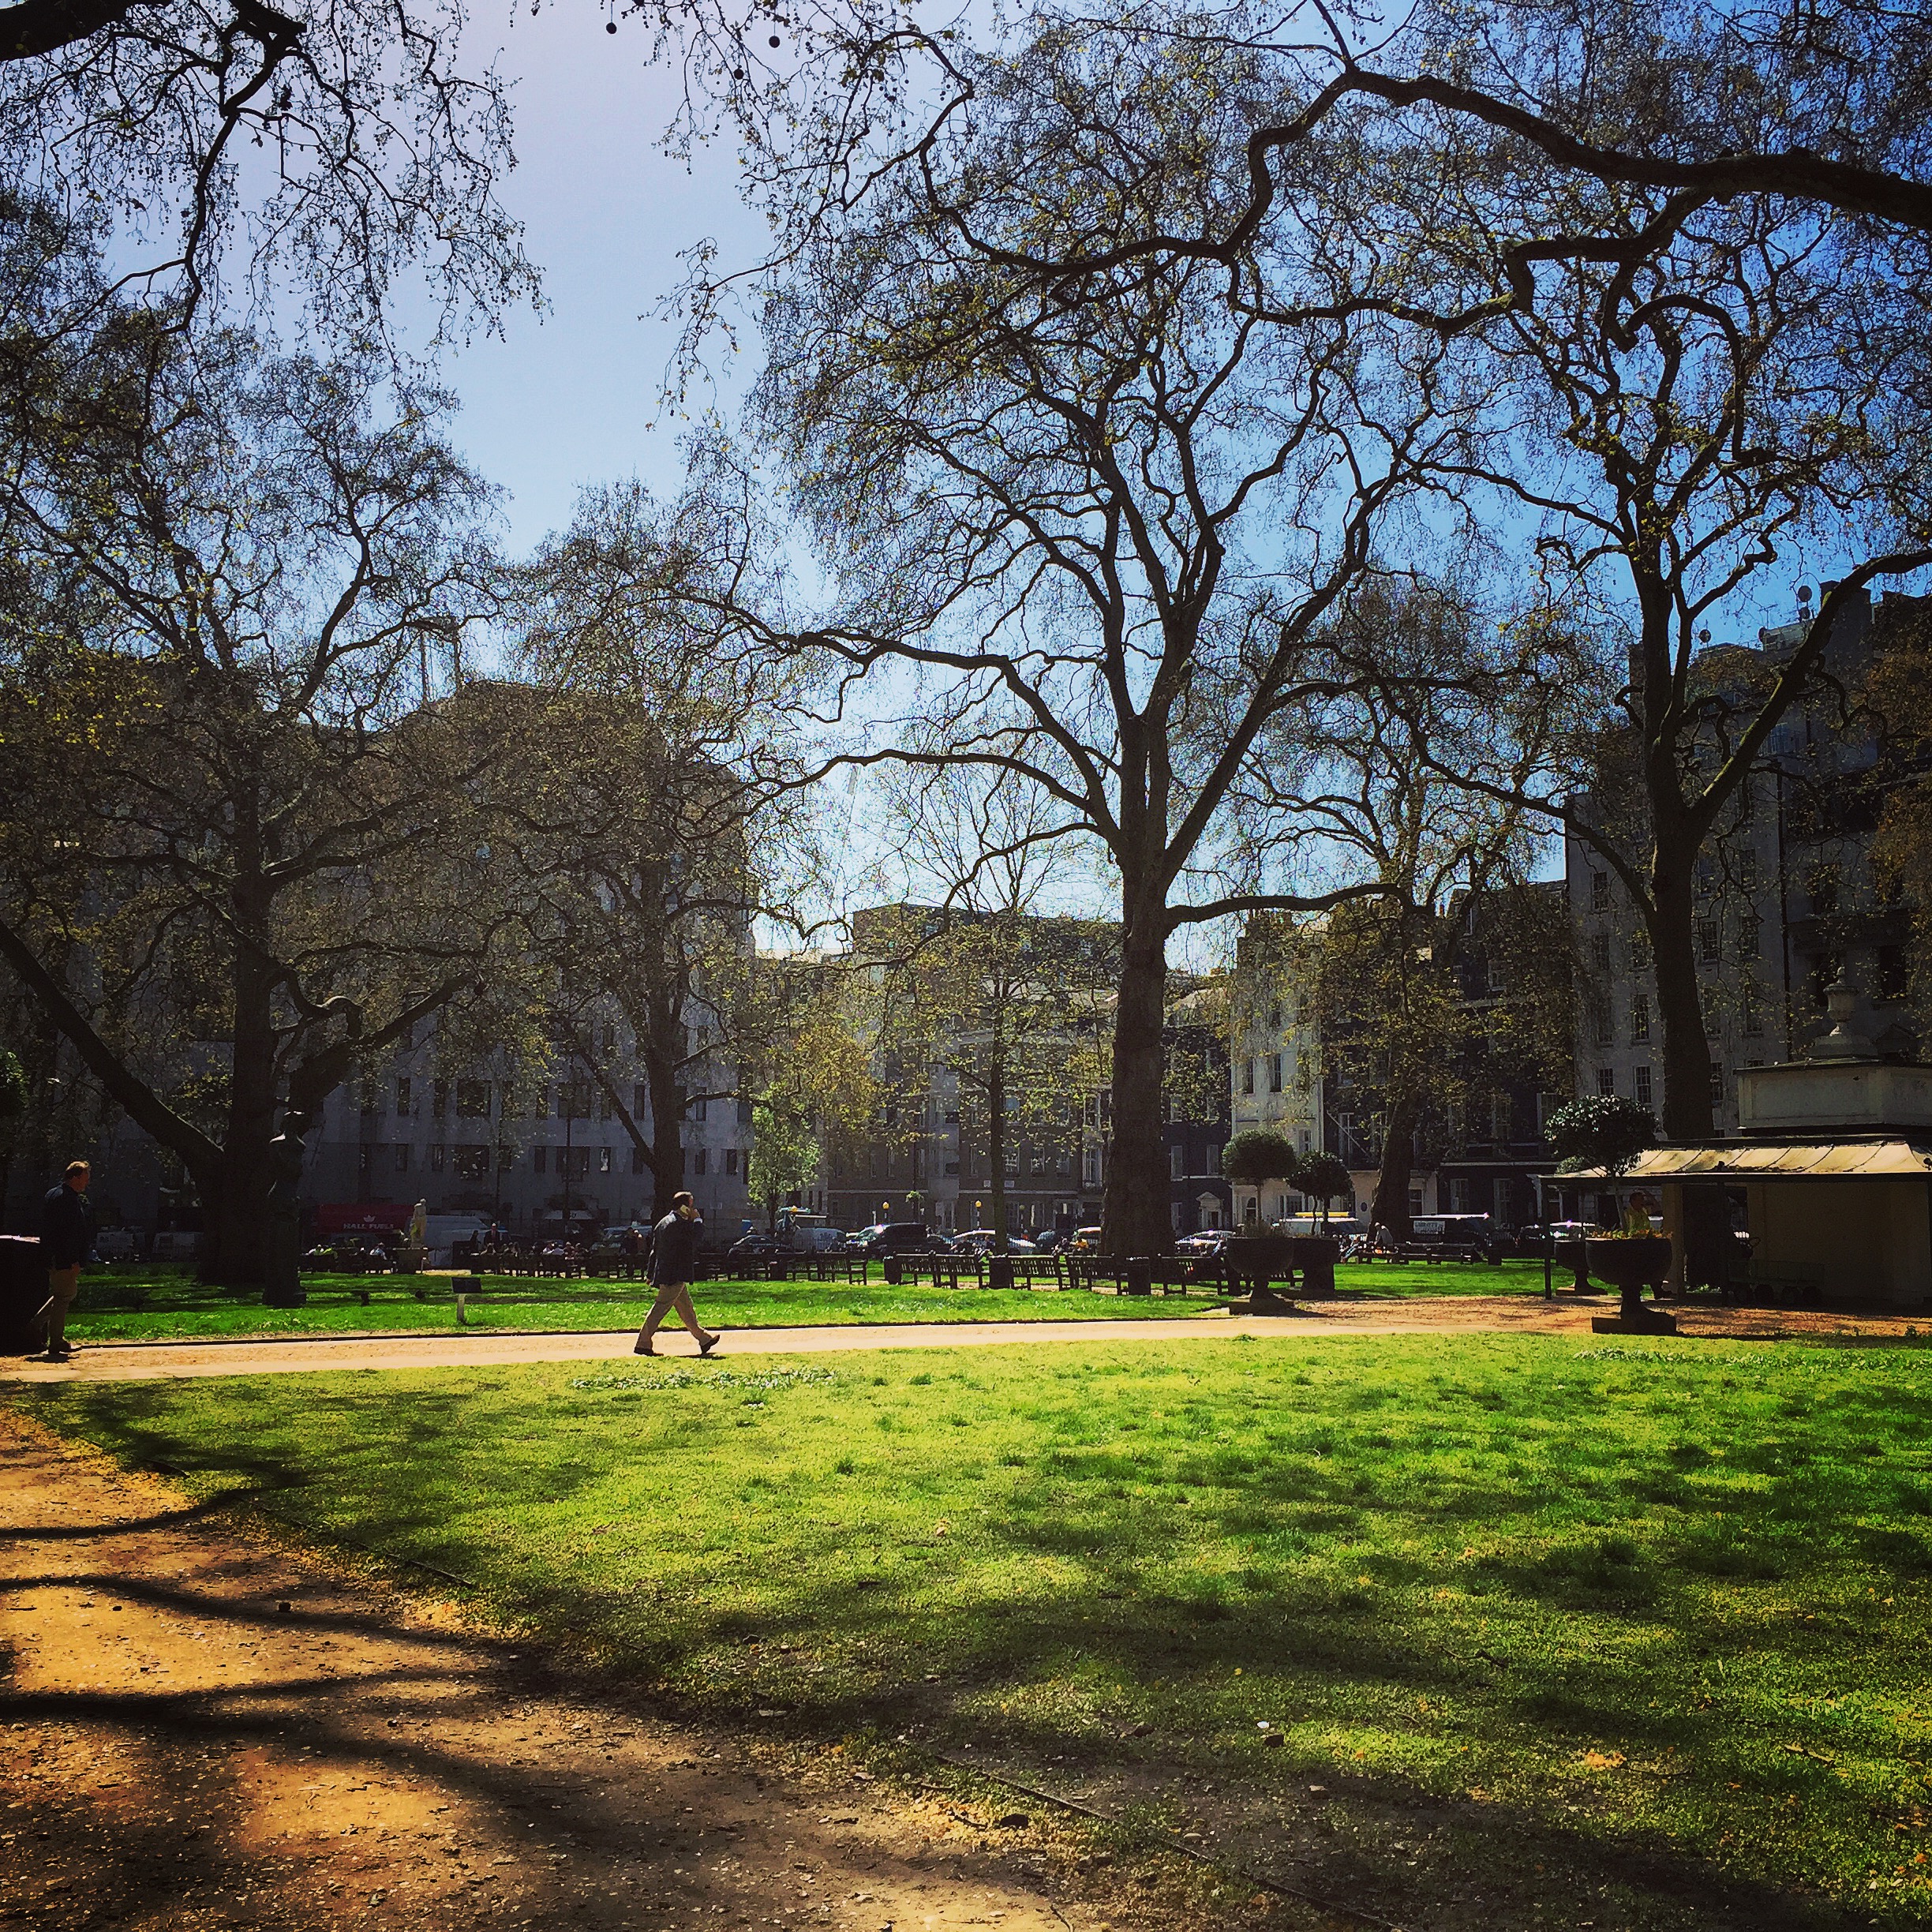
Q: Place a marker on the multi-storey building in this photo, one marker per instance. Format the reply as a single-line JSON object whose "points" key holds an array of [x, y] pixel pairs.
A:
{"points": [[484, 1141], [927, 1155], [1478, 1147], [1275, 1064], [1786, 900]]}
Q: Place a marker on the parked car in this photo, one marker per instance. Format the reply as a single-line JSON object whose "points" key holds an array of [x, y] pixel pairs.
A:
{"points": [[982, 1242], [760, 1246], [891, 1237], [1453, 1238], [1085, 1241], [1205, 1245]]}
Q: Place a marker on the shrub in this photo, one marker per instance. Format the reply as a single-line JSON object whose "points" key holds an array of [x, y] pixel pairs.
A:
{"points": [[1602, 1130]]}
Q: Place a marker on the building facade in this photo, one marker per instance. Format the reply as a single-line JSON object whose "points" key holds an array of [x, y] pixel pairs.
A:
{"points": [[1787, 898]]}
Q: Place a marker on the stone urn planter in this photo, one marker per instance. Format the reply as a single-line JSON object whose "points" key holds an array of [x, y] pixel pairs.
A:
{"points": [[1628, 1263], [1254, 1263]]}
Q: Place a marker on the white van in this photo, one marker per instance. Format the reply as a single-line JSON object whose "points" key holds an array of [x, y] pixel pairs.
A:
{"points": [[444, 1230]]}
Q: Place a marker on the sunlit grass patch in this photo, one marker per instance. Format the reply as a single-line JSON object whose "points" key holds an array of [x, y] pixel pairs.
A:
{"points": [[1673, 1599]]}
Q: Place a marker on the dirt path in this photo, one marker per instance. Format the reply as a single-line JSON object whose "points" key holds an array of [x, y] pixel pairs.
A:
{"points": [[126, 1361], [199, 1730]]}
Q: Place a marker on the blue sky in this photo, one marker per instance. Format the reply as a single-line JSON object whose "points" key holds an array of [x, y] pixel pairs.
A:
{"points": [[567, 398]]}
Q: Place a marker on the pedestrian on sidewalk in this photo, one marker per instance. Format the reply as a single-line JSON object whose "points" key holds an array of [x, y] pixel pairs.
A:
{"points": [[66, 1240], [673, 1262]]}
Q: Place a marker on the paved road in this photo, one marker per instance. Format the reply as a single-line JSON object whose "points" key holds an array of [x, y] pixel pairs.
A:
{"points": [[1494, 1314]]}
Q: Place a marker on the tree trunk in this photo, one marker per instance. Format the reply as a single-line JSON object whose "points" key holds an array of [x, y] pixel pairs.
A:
{"points": [[1134, 1216], [1687, 1110], [234, 1239], [1389, 1208], [664, 1054], [996, 1135]]}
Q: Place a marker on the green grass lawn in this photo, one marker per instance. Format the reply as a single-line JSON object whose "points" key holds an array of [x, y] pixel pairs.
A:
{"points": [[1569, 1632], [161, 1304]]}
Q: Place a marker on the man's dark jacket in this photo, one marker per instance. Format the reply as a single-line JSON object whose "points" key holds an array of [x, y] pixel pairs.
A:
{"points": [[674, 1248], [66, 1227]]}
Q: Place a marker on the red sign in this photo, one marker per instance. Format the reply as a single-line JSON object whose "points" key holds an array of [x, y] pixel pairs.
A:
{"points": [[362, 1217]]}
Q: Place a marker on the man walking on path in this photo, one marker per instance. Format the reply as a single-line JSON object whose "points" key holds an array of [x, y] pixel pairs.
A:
{"points": [[673, 1262], [66, 1240]]}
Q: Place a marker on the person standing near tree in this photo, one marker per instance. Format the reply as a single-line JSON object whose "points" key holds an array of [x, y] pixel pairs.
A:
{"points": [[66, 1239], [673, 1263]]}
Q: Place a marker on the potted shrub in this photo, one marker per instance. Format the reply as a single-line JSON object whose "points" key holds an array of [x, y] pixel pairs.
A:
{"points": [[1609, 1132], [1324, 1178], [1254, 1157]]}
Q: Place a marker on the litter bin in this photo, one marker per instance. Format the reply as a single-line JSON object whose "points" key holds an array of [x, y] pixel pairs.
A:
{"points": [[23, 1292], [1315, 1257], [894, 1273]]}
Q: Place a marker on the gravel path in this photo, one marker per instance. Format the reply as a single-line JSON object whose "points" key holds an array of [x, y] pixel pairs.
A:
{"points": [[1516, 1314], [199, 1729]]}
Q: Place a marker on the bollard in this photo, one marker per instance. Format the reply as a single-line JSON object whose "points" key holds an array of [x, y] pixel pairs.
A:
{"points": [[463, 1309]]}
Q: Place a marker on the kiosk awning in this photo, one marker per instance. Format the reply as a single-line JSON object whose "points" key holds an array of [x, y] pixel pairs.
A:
{"points": [[1828, 1160]]}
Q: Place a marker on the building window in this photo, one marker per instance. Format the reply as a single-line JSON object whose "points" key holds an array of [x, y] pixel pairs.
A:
{"points": [[435, 1157], [473, 1100], [540, 1159], [401, 1157], [1749, 1017], [365, 1157], [1176, 1161], [473, 1163], [1893, 976], [1640, 1017], [1063, 1162], [1707, 875], [1747, 869], [1013, 1160], [1642, 1093], [1092, 1167], [1600, 892], [1275, 1072], [607, 1108], [700, 1161], [1640, 949], [696, 1109], [1603, 1029], [439, 1100], [1415, 1200], [573, 1101], [1248, 1076], [402, 1096], [1717, 1085], [1600, 952], [1606, 1080], [506, 1157], [1707, 949], [604, 1160], [744, 1113], [731, 1160]]}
